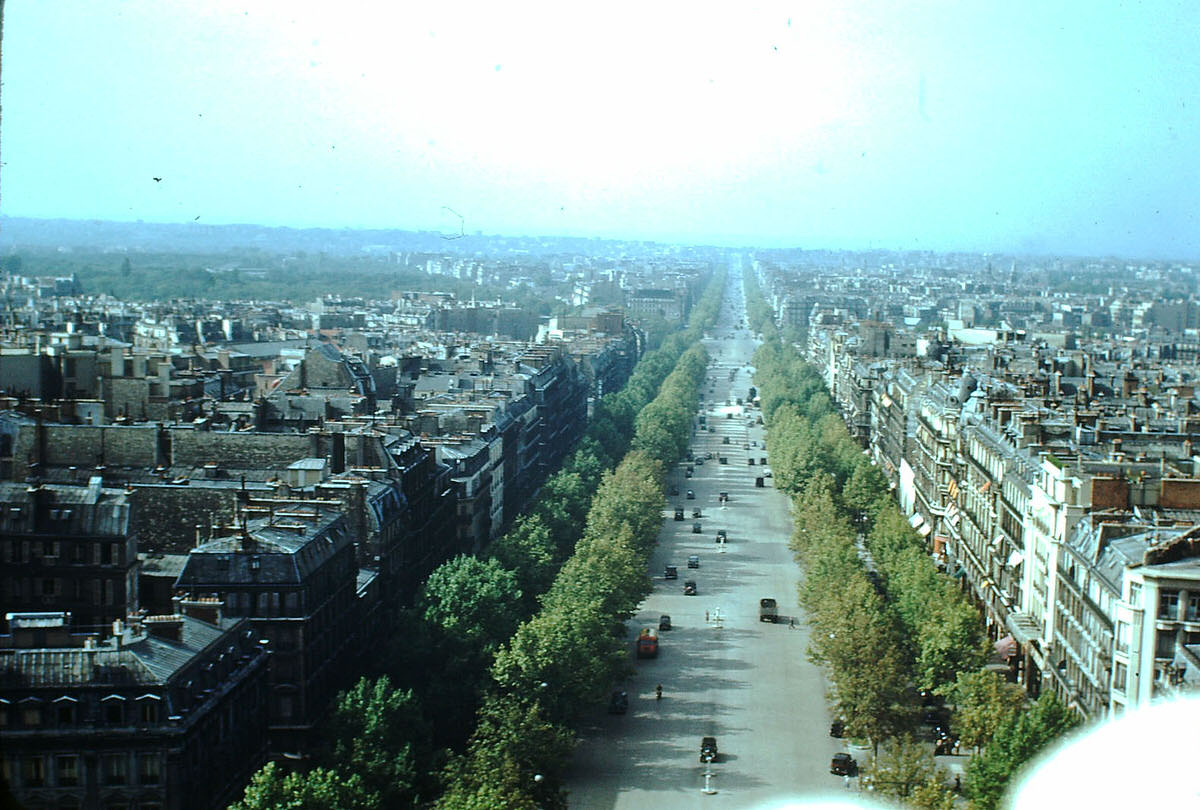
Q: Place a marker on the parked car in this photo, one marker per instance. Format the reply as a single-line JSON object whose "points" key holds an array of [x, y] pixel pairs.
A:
{"points": [[670, 572], [696, 528], [664, 622], [837, 728], [843, 765], [708, 749], [721, 536], [691, 495], [618, 703], [689, 587], [694, 561]]}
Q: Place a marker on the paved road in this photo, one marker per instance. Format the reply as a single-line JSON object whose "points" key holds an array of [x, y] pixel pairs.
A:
{"points": [[746, 682]]}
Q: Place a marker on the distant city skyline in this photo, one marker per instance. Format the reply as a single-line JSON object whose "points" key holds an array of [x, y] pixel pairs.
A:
{"points": [[1021, 129]]}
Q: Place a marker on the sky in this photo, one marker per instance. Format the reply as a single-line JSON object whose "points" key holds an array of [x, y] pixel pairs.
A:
{"points": [[1024, 126]]}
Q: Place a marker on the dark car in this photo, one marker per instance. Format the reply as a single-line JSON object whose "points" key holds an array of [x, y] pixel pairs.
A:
{"points": [[664, 622], [843, 765], [689, 587], [708, 749], [618, 703], [691, 496], [837, 728], [696, 512], [670, 572], [694, 561], [721, 536], [679, 513], [696, 528]]}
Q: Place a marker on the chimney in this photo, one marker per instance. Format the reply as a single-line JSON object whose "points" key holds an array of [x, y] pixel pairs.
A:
{"points": [[206, 609], [169, 628]]}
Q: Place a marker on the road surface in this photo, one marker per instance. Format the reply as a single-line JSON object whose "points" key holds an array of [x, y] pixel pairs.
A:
{"points": [[723, 672]]}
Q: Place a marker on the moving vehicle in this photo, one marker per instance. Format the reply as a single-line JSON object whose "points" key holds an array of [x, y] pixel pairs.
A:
{"points": [[708, 749], [843, 765], [670, 572], [721, 536], [647, 643], [689, 587], [837, 728], [695, 528], [664, 622], [694, 561], [618, 703], [679, 513], [768, 610], [696, 512], [691, 496]]}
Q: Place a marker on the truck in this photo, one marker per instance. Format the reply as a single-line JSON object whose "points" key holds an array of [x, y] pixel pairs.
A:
{"points": [[768, 610], [647, 643]]}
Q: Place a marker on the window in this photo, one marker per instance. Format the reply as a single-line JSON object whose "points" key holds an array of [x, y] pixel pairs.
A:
{"points": [[1193, 607], [31, 716], [114, 711], [33, 771], [106, 553], [149, 768], [65, 711], [1120, 676], [1122, 641], [115, 769], [148, 711], [1135, 594], [49, 587], [1168, 605], [67, 766]]}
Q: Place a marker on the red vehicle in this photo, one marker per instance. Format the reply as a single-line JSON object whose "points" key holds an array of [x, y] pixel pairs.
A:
{"points": [[647, 643]]}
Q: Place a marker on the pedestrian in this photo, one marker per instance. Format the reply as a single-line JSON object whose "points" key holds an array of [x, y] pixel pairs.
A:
{"points": [[792, 622], [706, 616], [846, 781], [957, 783]]}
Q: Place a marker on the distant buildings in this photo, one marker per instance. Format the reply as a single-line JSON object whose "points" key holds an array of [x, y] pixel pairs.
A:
{"points": [[1042, 440]]}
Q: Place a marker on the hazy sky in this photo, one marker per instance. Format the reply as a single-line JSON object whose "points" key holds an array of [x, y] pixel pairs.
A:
{"points": [[1039, 125]]}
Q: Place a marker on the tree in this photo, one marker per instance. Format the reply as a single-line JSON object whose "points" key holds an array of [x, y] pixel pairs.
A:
{"points": [[1015, 742], [901, 767], [474, 600], [377, 731], [983, 703], [529, 550], [319, 789]]}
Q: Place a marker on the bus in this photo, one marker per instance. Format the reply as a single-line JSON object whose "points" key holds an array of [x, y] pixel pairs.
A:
{"points": [[647, 643]]}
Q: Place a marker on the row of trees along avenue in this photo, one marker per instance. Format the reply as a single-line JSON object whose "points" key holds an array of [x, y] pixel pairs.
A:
{"points": [[472, 705], [887, 625]]}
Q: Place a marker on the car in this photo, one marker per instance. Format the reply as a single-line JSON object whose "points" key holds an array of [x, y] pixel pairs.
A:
{"points": [[708, 749], [721, 536], [664, 622], [694, 561], [689, 587], [670, 572], [708, 455], [687, 474], [837, 728], [696, 513], [679, 513], [691, 496], [618, 702], [696, 528], [843, 765]]}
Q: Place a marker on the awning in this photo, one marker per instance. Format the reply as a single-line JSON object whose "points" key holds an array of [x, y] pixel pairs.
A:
{"points": [[925, 530], [1015, 559], [1005, 647], [916, 519]]}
